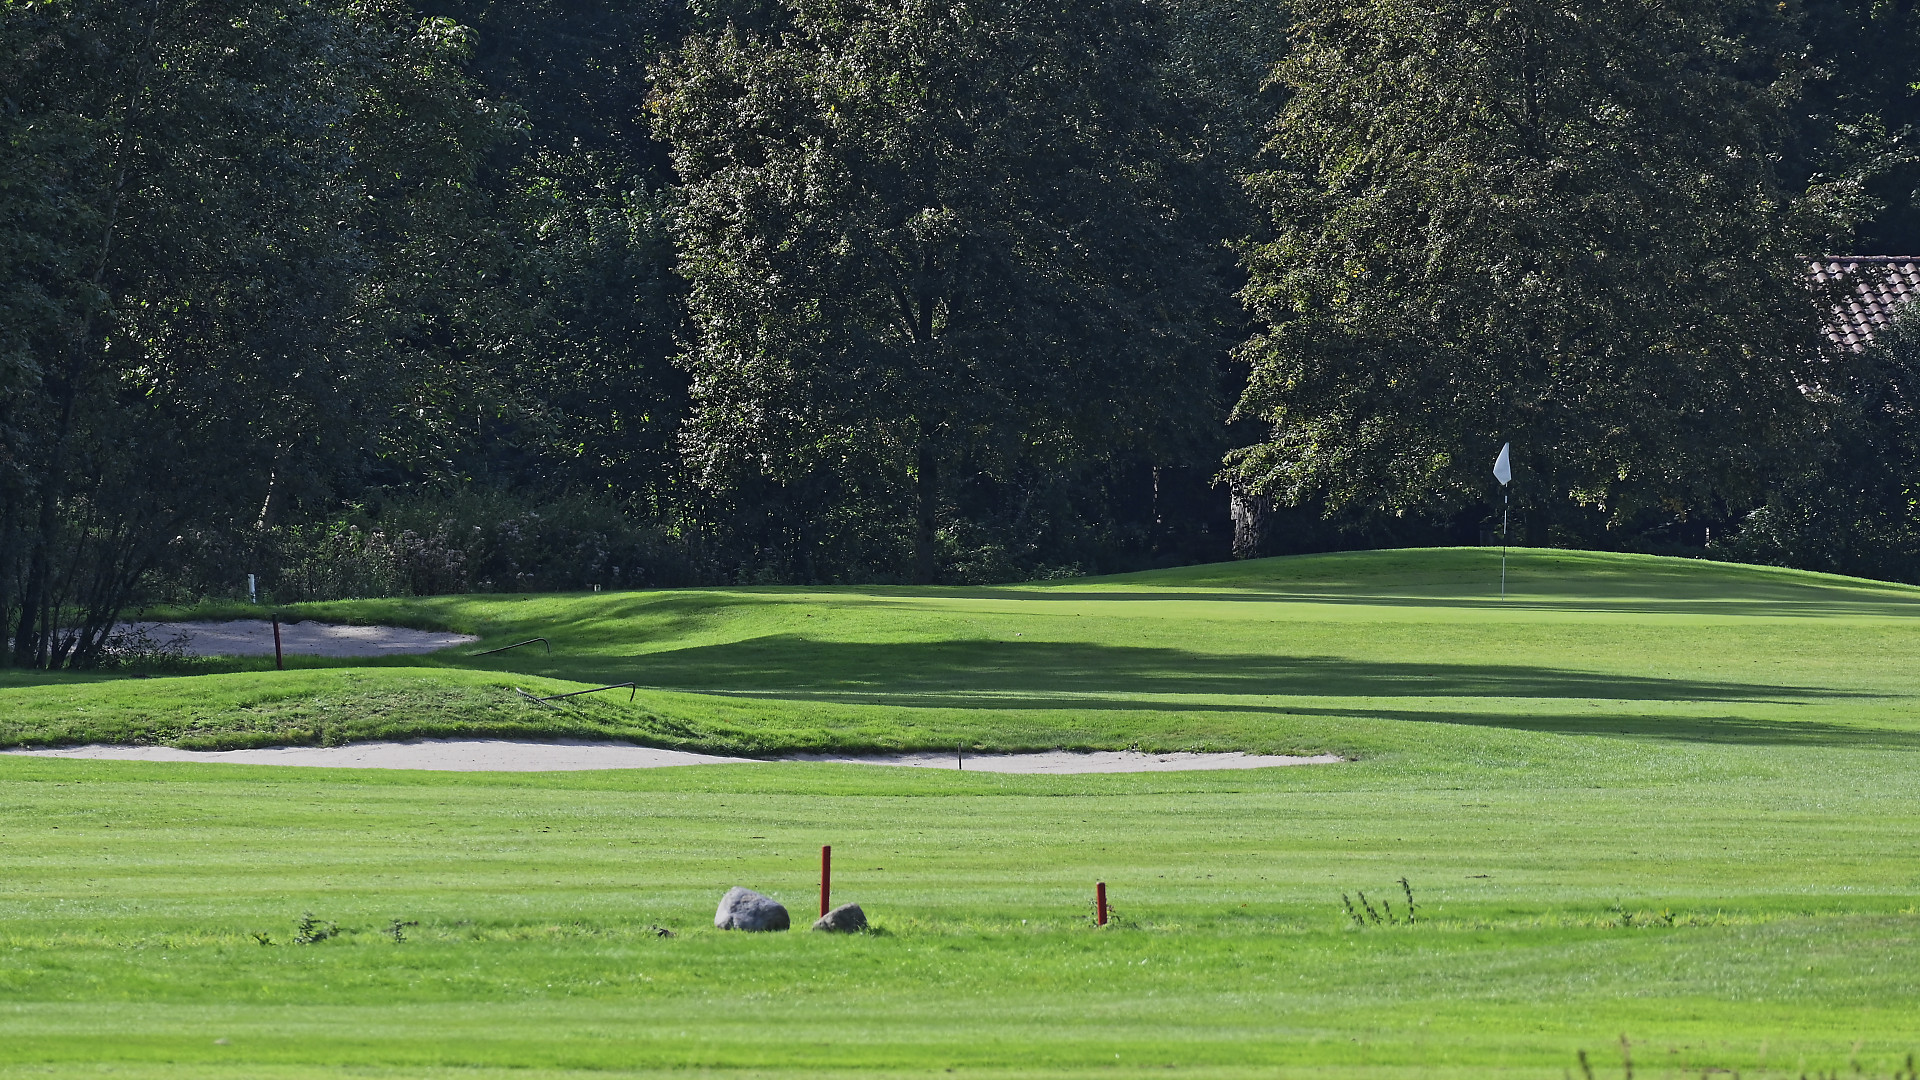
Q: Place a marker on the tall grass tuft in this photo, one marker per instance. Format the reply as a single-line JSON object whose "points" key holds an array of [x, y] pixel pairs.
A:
{"points": [[1371, 914], [1352, 914]]}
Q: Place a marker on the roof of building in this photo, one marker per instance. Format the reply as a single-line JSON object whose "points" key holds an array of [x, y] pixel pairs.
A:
{"points": [[1875, 287]]}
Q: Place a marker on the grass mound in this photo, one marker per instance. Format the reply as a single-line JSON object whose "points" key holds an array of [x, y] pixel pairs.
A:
{"points": [[323, 707]]}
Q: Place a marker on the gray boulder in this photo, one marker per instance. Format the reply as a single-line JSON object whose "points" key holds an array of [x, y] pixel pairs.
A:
{"points": [[845, 919], [744, 909]]}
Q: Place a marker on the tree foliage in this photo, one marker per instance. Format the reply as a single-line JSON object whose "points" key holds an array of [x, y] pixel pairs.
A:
{"points": [[581, 328], [566, 336], [220, 212], [1557, 222], [1850, 503], [932, 241], [1860, 116]]}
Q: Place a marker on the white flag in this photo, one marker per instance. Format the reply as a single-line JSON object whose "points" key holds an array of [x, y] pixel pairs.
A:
{"points": [[1503, 466]]}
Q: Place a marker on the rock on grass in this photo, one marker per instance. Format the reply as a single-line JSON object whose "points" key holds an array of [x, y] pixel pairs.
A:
{"points": [[845, 919], [744, 909]]}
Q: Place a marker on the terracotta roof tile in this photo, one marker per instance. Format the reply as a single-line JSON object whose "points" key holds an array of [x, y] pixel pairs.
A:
{"points": [[1876, 287]]}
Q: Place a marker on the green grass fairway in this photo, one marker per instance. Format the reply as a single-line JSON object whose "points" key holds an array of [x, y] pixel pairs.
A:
{"points": [[1666, 801], [1334, 652]]}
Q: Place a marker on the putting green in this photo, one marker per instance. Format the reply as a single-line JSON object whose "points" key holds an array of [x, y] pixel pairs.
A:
{"points": [[1665, 800]]}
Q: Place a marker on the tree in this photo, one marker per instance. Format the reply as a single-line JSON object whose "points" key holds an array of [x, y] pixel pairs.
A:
{"points": [[1851, 502], [1556, 222], [931, 246], [1860, 116], [581, 336], [566, 344], [575, 68], [216, 212]]}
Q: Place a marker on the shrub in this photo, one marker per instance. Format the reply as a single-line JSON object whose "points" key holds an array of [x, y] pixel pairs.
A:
{"points": [[471, 541]]}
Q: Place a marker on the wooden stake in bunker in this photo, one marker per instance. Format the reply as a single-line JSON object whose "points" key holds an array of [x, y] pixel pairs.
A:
{"points": [[1100, 903], [279, 662], [826, 876]]}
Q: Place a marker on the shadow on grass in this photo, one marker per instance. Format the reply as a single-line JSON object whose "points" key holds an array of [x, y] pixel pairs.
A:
{"points": [[1769, 602], [1614, 723], [1100, 678], [1701, 729], [963, 669], [678, 611], [1799, 606]]}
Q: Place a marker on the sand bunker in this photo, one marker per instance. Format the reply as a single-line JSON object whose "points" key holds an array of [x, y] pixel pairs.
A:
{"points": [[502, 755], [254, 637], [1070, 761]]}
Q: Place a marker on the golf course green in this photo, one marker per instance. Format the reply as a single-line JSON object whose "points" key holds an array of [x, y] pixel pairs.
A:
{"points": [[1658, 817]]}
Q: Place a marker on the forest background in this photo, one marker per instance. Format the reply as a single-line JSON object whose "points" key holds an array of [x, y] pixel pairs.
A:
{"points": [[357, 298]]}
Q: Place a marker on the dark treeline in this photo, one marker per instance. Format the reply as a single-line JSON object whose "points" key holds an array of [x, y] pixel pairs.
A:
{"points": [[361, 298]]}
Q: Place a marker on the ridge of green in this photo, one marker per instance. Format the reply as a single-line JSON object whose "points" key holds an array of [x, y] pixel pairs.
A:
{"points": [[1312, 653]]}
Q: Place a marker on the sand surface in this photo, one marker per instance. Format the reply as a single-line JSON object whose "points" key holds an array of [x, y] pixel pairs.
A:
{"points": [[1072, 761], [254, 637], [503, 755]]}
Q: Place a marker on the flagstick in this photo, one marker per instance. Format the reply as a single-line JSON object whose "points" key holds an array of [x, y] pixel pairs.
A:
{"points": [[1503, 472]]}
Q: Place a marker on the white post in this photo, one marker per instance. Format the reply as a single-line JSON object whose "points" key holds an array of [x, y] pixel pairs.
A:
{"points": [[1503, 472], [253, 593], [1506, 510]]}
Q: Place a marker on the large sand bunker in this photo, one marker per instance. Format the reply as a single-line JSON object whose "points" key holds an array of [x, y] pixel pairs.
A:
{"points": [[254, 637], [502, 755]]}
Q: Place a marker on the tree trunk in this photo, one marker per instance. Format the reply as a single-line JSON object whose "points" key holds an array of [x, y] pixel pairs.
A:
{"points": [[1536, 528], [1249, 523], [31, 642], [9, 533], [926, 568]]}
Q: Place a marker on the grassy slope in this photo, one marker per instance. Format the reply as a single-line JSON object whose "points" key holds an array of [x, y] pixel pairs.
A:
{"points": [[1324, 652], [1668, 800]]}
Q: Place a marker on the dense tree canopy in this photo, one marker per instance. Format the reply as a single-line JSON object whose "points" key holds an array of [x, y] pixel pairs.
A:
{"points": [[486, 294], [930, 237], [1557, 223], [220, 215], [1860, 116], [1850, 503]]}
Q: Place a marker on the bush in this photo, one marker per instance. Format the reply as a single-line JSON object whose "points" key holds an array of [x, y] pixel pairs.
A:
{"points": [[337, 560], [471, 541]]}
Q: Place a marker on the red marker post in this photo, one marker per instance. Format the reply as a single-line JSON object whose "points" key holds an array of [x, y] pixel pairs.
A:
{"points": [[826, 875], [279, 662], [1100, 902]]}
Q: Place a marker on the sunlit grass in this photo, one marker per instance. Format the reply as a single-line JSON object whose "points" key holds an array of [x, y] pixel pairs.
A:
{"points": [[1661, 799], [1332, 652]]}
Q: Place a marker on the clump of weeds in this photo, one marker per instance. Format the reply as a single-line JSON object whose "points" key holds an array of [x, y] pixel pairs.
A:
{"points": [[1910, 1071], [1373, 916], [1115, 919], [311, 931]]}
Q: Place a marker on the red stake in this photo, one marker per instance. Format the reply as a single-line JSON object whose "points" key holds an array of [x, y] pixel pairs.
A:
{"points": [[1100, 902], [826, 875], [279, 663]]}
